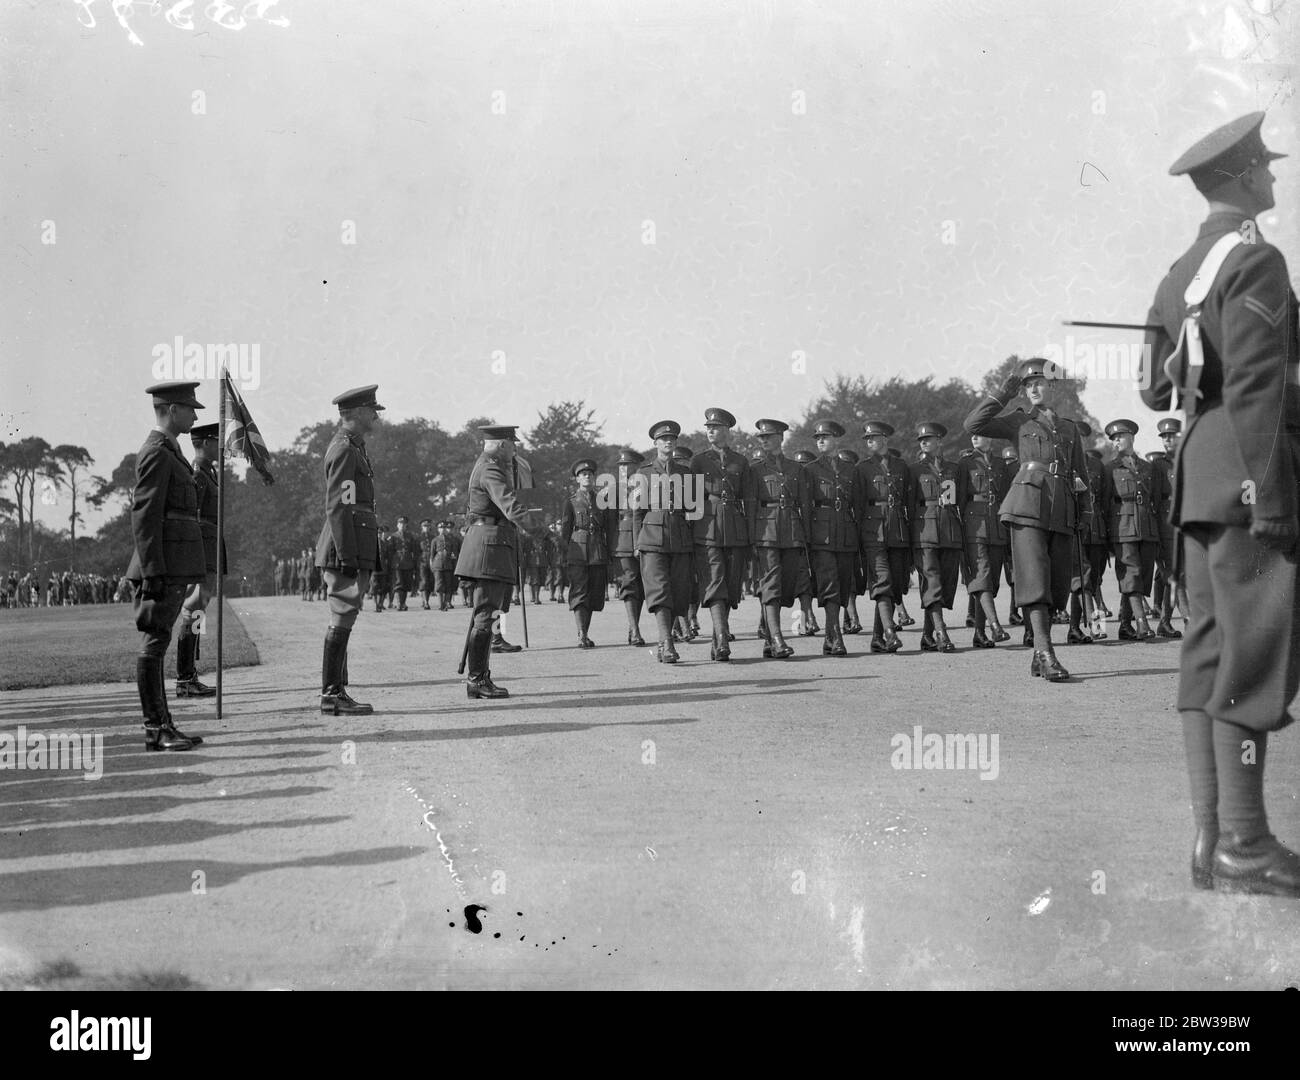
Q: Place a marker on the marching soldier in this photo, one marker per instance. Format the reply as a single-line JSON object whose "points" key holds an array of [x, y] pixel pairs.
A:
{"points": [[664, 541], [426, 565], [903, 583], [206, 486], [852, 621], [938, 493], [627, 565], [488, 558], [722, 532], [1040, 505], [985, 537], [381, 582], [556, 578], [585, 531], [443, 553], [777, 507], [807, 584], [1239, 655], [406, 553], [1132, 505], [838, 504], [168, 556], [886, 532], [535, 562], [686, 627], [1094, 538], [348, 549]]}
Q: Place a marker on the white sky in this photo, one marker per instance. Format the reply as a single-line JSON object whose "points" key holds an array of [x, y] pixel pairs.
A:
{"points": [[1042, 135]]}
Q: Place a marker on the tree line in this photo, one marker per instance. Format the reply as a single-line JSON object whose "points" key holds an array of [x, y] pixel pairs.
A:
{"points": [[422, 469]]}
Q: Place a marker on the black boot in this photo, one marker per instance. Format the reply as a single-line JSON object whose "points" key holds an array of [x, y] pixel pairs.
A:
{"points": [[480, 684], [584, 624], [778, 649], [501, 645], [187, 683], [633, 609], [720, 649], [334, 699], [159, 732], [666, 653], [166, 713]]}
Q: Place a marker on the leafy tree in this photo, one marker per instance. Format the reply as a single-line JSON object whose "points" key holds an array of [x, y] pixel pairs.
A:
{"points": [[71, 460], [23, 462]]}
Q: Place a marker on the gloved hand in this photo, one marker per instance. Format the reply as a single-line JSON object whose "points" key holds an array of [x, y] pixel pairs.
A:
{"points": [[153, 588], [1011, 387], [1274, 534], [347, 570]]}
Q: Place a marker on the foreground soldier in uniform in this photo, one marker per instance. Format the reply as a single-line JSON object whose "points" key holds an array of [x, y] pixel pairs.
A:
{"points": [[168, 557], [1241, 653], [585, 533], [777, 506], [1040, 505], [985, 537], [1132, 503], [938, 492], [206, 488], [348, 548], [627, 565], [722, 532], [664, 541], [886, 534], [488, 558], [838, 504]]}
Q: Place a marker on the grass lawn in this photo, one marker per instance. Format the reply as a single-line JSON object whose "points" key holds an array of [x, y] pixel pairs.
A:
{"points": [[63, 646]]}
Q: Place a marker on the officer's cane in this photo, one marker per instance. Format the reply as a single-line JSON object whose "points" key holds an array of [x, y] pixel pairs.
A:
{"points": [[464, 653]]}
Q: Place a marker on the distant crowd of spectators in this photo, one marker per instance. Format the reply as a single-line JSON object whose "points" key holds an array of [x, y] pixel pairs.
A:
{"points": [[62, 590]]}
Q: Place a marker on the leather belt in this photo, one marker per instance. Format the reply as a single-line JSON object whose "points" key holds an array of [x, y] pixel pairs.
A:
{"points": [[181, 517], [936, 502], [979, 498], [1052, 467], [1139, 499], [485, 519], [771, 502]]}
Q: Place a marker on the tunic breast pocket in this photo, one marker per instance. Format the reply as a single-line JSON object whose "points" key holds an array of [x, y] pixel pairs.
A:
{"points": [[825, 488], [771, 484]]}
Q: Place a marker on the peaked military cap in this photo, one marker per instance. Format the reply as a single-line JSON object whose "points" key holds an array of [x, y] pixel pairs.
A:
{"points": [[804, 457], [829, 427], [848, 455], [876, 427], [1224, 153], [498, 431], [718, 416], [1170, 425], [174, 393], [930, 430], [630, 457], [895, 452], [1085, 428], [583, 465], [203, 432], [1009, 454], [1157, 455], [358, 397], [1117, 426], [770, 427], [664, 428], [683, 452], [1038, 368]]}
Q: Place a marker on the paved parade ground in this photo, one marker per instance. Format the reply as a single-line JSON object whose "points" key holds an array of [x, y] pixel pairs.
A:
{"points": [[627, 824]]}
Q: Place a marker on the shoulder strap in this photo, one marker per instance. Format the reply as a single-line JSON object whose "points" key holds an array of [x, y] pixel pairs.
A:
{"points": [[1185, 363], [1213, 262]]}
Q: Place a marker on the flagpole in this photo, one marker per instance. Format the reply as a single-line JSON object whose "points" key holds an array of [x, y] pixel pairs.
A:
{"points": [[221, 530]]}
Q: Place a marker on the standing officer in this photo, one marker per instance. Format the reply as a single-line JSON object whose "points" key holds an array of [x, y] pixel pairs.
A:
{"points": [[1235, 503], [348, 548], [852, 621], [1040, 504], [984, 536], [1170, 429], [488, 558], [535, 561], [838, 504], [722, 532], [585, 531], [1132, 505], [1164, 589], [627, 565], [886, 533], [406, 554], [304, 575], [938, 493], [443, 553], [168, 556], [381, 583], [426, 565], [664, 541], [206, 452], [1094, 538], [807, 583], [778, 506]]}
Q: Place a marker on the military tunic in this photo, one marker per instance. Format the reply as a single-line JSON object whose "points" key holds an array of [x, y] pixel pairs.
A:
{"points": [[984, 535], [1133, 504], [664, 537], [585, 533], [205, 484], [1241, 653], [778, 504], [722, 533], [838, 498], [938, 493], [443, 553], [886, 529], [1095, 531], [627, 565]]}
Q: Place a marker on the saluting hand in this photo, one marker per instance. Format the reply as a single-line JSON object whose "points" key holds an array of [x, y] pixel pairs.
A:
{"points": [[1011, 387]]}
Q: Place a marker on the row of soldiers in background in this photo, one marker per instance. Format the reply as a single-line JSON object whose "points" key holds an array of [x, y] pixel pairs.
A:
{"points": [[933, 517], [61, 590]]}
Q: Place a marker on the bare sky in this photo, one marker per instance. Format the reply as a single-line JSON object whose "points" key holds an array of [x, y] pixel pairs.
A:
{"points": [[655, 206]]}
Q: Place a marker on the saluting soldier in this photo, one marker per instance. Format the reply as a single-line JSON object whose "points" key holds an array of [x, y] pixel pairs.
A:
{"points": [[585, 531], [778, 506], [664, 541], [938, 493], [1095, 538], [886, 532], [1132, 505], [852, 621], [984, 537], [838, 504], [686, 625], [627, 566], [168, 558], [488, 558], [807, 585], [348, 550], [722, 532], [1041, 504], [206, 486], [1239, 655]]}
